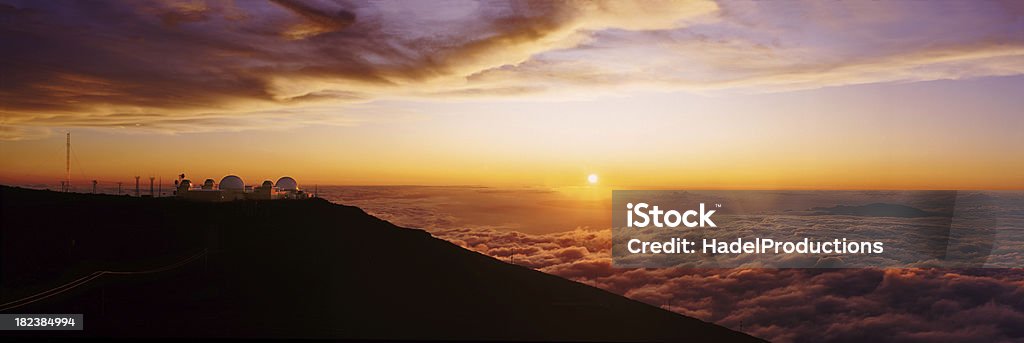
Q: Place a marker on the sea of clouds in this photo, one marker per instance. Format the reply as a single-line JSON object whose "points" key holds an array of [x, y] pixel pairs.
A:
{"points": [[782, 305]]}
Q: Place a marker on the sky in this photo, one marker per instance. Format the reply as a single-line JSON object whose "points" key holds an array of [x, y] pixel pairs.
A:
{"points": [[732, 94]]}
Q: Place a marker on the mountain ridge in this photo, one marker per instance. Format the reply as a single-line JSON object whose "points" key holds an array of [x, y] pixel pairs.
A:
{"points": [[295, 269]]}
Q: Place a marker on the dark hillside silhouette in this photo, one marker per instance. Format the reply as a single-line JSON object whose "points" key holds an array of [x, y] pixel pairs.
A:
{"points": [[292, 268]]}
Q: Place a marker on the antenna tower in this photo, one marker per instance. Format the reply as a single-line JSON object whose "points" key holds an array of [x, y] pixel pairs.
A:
{"points": [[67, 164]]}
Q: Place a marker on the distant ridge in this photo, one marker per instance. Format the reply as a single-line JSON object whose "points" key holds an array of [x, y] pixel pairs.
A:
{"points": [[294, 269]]}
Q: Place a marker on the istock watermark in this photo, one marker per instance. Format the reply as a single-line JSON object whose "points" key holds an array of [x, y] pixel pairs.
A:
{"points": [[817, 229], [672, 218]]}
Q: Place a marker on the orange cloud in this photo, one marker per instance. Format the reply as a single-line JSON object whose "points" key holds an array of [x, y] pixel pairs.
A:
{"points": [[178, 67]]}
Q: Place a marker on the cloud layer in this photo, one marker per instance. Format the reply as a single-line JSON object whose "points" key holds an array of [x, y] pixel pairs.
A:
{"points": [[785, 305], [212, 65], [782, 305]]}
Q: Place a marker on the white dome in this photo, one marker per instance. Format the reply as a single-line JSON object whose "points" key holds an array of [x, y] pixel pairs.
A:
{"points": [[232, 182], [287, 184]]}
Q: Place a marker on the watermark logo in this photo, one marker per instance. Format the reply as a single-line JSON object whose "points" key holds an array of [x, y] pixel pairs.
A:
{"points": [[815, 229], [671, 218]]}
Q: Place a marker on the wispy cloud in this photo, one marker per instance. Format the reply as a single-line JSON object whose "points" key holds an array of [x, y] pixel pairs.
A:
{"points": [[65, 64]]}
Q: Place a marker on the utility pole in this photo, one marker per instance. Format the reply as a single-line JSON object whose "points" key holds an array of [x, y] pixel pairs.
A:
{"points": [[119, 188], [151, 185], [160, 187], [136, 185], [67, 165], [93, 186]]}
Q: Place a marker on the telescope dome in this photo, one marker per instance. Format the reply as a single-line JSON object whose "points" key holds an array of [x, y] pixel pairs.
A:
{"points": [[287, 184], [233, 183]]}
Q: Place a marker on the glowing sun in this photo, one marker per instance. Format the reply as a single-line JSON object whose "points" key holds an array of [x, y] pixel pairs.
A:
{"points": [[592, 178]]}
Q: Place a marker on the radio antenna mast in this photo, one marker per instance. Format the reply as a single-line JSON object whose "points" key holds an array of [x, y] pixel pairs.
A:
{"points": [[67, 165]]}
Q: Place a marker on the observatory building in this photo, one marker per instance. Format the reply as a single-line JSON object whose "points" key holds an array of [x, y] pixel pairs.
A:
{"points": [[232, 188]]}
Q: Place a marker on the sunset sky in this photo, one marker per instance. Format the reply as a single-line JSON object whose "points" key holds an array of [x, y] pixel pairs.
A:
{"points": [[834, 95]]}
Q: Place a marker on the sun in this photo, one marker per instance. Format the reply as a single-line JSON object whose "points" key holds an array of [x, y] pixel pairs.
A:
{"points": [[592, 178]]}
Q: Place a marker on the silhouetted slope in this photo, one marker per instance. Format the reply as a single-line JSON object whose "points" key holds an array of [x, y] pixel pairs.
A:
{"points": [[295, 269]]}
